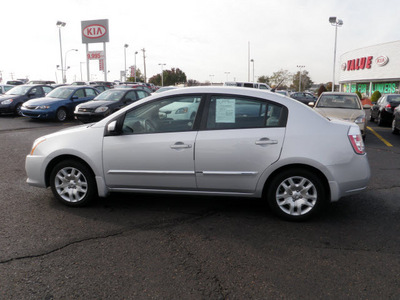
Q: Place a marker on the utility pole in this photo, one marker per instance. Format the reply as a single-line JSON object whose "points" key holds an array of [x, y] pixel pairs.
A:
{"points": [[144, 62]]}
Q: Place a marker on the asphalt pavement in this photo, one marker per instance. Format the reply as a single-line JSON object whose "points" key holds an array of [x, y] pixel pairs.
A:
{"points": [[133, 246]]}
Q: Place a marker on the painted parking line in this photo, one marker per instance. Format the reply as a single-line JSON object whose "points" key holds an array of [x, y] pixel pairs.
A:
{"points": [[380, 137]]}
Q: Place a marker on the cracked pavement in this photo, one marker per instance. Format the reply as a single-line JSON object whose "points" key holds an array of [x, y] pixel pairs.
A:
{"points": [[133, 246]]}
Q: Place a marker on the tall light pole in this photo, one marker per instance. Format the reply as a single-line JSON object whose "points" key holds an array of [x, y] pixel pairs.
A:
{"points": [[125, 46], [227, 73], [65, 64], [300, 67], [162, 74], [211, 76], [252, 60], [135, 64], [59, 25], [337, 23]]}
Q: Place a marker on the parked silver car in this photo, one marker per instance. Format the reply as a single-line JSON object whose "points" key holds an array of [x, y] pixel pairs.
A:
{"points": [[241, 142]]}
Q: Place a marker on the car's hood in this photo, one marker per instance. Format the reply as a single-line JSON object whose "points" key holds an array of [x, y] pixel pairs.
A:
{"points": [[340, 113], [96, 103], [43, 101], [6, 97]]}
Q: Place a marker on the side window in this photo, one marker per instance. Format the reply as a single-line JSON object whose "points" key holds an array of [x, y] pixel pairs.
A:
{"points": [[90, 92], [141, 94], [79, 93], [35, 92], [165, 115], [131, 96], [47, 89], [229, 112]]}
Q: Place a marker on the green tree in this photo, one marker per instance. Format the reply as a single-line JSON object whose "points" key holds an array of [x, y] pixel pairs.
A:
{"points": [[375, 96], [306, 81], [139, 77], [321, 89], [279, 79], [263, 79]]}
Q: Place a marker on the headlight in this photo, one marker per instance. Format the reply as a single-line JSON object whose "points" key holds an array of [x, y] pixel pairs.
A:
{"points": [[101, 109], [360, 120], [42, 107], [6, 102], [182, 110], [36, 143]]}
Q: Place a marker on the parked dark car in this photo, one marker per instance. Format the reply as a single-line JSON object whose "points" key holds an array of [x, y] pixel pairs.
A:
{"points": [[106, 83], [382, 110], [101, 88], [396, 120], [303, 97], [58, 104], [12, 100], [106, 103]]}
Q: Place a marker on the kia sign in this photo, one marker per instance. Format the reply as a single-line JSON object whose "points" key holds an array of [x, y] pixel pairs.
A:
{"points": [[95, 31]]}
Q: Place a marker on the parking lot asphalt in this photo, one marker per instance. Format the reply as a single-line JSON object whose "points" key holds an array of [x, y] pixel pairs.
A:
{"points": [[133, 246]]}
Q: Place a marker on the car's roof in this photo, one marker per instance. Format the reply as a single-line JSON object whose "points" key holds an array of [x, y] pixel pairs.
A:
{"points": [[339, 93]]}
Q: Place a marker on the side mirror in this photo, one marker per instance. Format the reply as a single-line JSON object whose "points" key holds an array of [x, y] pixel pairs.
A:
{"points": [[311, 104], [111, 127]]}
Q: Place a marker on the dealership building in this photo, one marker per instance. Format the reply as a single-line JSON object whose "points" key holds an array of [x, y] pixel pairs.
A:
{"points": [[369, 69]]}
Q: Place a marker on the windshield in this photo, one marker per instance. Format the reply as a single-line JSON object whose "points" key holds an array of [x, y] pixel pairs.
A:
{"points": [[61, 92], [338, 101], [110, 95], [18, 90]]}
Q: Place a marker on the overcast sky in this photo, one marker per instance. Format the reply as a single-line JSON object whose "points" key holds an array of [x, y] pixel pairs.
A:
{"points": [[202, 38]]}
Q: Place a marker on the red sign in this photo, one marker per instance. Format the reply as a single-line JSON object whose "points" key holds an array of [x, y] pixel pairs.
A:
{"points": [[101, 64], [94, 31], [358, 64], [382, 60], [95, 55]]}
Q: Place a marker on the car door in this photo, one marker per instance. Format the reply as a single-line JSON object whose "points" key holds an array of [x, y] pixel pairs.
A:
{"points": [[240, 138], [152, 151]]}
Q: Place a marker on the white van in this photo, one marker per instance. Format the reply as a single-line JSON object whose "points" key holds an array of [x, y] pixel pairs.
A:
{"points": [[255, 85]]}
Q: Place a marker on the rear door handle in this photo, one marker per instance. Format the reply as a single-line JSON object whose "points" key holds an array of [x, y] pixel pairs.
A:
{"points": [[266, 141]]}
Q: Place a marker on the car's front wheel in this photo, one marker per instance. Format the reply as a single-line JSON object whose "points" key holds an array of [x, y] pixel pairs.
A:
{"points": [[17, 110], [72, 183], [296, 194], [61, 114]]}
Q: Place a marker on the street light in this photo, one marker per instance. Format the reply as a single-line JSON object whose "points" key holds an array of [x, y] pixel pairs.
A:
{"points": [[300, 67], [65, 64], [135, 64], [162, 74], [211, 76], [337, 23], [227, 73], [59, 25], [252, 60], [125, 46]]}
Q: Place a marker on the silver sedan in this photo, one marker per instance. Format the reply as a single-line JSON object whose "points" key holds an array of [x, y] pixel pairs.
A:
{"points": [[239, 142]]}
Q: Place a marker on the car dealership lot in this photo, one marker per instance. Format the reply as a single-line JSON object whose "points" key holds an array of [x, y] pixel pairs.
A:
{"points": [[142, 246]]}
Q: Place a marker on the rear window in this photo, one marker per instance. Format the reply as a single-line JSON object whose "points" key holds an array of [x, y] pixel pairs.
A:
{"points": [[394, 99]]}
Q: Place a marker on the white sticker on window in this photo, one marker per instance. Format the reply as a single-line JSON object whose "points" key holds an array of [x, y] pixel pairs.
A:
{"points": [[225, 111]]}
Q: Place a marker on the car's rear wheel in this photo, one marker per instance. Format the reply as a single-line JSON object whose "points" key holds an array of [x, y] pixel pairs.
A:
{"points": [[394, 129], [296, 194], [72, 183], [61, 114]]}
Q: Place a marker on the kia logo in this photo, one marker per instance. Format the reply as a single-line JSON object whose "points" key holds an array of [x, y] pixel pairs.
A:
{"points": [[382, 60], [344, 65], [94, 31]]}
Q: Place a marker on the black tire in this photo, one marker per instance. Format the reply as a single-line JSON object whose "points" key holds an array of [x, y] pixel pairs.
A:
{"points": [[17, 110], [394, 129], [371, 118], [379, 120], [296, 194], [72, 183], [61, 114]]}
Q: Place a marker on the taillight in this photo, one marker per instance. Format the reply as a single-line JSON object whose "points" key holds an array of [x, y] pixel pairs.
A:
{"points": [[356, 140], [388, 107]]}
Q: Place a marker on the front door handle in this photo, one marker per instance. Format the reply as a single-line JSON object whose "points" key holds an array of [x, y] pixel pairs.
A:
{"points": [[266, 141], [180, 145]]}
